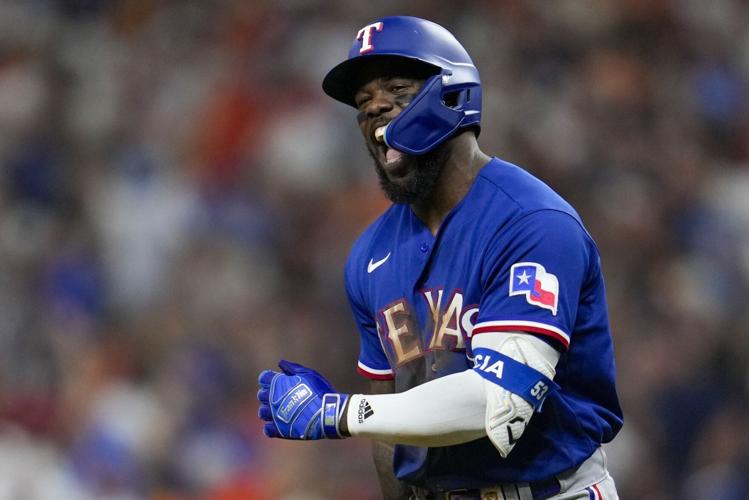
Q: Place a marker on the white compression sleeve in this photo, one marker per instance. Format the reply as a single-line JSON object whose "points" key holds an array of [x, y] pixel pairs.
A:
{"points": [[442, 412], [445, 411]]}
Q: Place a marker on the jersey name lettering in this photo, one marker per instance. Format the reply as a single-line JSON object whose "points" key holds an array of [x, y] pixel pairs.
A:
{"points": [[451, 325], [398, 321], [447, 322], [482, 363]]}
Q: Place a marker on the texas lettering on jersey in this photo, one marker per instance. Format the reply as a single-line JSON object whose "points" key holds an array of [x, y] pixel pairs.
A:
{"points": [[451, 325]]}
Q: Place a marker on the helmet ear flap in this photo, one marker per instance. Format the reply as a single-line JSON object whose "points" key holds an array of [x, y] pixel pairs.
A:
{"points": [[467, 100], [427, 121], [457, 99]]}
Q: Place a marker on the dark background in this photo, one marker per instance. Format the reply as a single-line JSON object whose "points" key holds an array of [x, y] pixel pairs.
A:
{"points": [[178, 196]]}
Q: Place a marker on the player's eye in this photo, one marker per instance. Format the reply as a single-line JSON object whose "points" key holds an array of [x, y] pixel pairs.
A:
{"points": [[361, 101]]}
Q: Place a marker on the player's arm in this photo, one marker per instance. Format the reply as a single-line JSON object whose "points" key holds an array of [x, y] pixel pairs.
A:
{"points": [[497, 398], [382, 453]]}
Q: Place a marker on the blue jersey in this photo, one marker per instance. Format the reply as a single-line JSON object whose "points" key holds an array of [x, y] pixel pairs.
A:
{"points": [[511, 256]]}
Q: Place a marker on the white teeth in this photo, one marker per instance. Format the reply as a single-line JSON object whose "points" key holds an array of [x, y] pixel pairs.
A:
{"points": [[379, 134]]}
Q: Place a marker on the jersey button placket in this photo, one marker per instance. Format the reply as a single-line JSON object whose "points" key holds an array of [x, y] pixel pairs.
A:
{"points": [[424, 248]]}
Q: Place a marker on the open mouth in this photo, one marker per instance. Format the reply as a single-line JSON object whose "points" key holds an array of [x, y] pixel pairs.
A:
{"points": [[391, 156]]}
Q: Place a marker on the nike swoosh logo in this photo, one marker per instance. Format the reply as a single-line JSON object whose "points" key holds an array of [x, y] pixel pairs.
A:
{"points": [[374, 265]]}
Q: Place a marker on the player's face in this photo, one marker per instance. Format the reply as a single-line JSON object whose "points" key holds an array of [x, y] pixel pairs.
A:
{"points": [[404, 178]]}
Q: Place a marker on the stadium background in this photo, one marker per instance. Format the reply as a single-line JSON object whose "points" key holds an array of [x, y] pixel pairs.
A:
{"points": [[177, 198]]}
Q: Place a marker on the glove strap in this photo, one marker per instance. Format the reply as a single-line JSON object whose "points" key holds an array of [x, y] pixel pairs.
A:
{"points": [[332, 410]]}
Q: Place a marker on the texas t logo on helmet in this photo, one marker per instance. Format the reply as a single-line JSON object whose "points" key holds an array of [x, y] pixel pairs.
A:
{"points": [[365, 35], [449, 100]]}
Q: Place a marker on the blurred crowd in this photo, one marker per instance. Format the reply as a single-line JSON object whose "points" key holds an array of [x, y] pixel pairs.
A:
{"points": [[178, 196]]}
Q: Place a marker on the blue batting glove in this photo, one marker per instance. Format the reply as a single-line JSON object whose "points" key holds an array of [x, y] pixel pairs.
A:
{"points": [[299, 404]]}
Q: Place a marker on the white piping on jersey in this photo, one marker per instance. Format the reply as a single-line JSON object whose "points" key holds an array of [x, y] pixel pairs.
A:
{"points": [[374, 371], [519, 324]]}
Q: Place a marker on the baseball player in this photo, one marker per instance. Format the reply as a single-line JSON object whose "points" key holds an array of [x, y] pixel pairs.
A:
{"points": [[478, 296]]}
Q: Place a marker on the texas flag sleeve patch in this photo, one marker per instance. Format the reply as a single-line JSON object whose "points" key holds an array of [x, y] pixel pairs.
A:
{"points": [[539, 287]]}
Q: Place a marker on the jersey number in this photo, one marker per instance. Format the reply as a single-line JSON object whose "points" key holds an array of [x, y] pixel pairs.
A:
{"points": [[539, 390]]}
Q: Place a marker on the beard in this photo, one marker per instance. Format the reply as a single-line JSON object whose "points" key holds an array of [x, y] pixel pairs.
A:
{"points": [[418, 184]]}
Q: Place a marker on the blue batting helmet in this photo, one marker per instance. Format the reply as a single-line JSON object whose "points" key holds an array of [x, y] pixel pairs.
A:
{"points": [[450, 98]]}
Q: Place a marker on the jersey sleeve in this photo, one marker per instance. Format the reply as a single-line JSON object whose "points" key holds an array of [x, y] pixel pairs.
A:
{"points": [[372, 362], [533, 277]]}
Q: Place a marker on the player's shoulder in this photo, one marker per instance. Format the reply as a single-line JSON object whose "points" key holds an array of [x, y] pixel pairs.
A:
{"points": [[522, 205], [507, 185]]}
